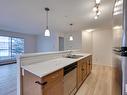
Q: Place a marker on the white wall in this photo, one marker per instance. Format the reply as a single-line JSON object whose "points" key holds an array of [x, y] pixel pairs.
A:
{"points": [[117, 37], [29, 40], [98, 43], [47, 44], [76, 43], [102, 46], [87, 42]]}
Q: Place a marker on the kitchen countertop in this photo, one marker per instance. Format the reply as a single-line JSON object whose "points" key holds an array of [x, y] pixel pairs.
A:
{"points": [[44, 68]]}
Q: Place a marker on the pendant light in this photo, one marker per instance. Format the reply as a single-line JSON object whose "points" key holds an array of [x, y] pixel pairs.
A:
{"points": [[96, 9], [98, 1], [47, 32], [71, 37]]}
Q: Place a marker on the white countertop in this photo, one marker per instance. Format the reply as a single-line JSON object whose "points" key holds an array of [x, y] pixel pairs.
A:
{"points": [[44, 68]]}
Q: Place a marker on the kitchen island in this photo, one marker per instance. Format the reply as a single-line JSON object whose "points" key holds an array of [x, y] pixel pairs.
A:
{"points": [[48, 77]]}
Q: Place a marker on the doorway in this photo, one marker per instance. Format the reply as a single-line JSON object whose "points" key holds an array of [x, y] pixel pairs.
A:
{"points": [[61, 43]]}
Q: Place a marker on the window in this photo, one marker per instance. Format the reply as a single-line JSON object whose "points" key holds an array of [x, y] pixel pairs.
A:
{"points": [[17, 46], [10, 47], [5, 51]]}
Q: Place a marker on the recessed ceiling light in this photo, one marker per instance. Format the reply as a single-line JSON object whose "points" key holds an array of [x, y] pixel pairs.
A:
{"points": [[89, 30], [117, 27]]}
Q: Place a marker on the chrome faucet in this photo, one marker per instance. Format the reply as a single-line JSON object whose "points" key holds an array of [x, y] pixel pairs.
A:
{"points": [[69, 53]]}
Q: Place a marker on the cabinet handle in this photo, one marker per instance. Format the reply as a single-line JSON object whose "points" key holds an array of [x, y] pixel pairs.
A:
{"points": [[42, 84]]}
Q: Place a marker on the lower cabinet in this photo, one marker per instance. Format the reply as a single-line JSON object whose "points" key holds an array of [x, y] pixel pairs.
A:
{"points": [[90, 60], [51, 84], [83, 70], [54, 84], [79, 73]]}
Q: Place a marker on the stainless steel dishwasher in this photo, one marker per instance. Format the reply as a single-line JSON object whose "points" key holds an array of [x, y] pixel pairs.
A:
{"points": [[70, 79]]}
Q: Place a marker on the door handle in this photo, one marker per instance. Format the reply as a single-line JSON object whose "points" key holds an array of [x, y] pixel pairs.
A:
{"points": [[42, 84]]}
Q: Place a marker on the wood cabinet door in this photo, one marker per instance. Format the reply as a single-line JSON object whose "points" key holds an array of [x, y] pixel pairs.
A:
{"points": [[79, 73], [84, 69], [29, 85], [54, 88], [54, 84], [90, 63], [88, 66]]}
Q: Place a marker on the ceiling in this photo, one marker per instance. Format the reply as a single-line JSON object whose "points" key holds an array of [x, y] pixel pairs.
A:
{"points": [[28, 16]]}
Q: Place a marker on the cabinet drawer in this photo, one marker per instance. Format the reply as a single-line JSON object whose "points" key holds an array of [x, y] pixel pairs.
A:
{"points": [[53, 76]]}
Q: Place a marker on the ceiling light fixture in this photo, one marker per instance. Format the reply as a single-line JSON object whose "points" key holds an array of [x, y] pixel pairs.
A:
{"points": [[98, 1], [96, 17], [118, 7], [47, 32], [117, 27], [96, 9], [98, 13], [89, 30], [71, 37]]}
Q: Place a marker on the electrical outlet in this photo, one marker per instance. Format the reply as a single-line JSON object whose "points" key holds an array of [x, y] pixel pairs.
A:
{"points": [[125, 88]]}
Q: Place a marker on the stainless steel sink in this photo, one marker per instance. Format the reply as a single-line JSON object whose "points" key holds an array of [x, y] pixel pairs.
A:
{"points": [[73, 56]]}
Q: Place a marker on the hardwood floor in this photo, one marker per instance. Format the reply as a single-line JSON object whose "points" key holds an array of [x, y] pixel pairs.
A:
{"points": [[8, 79], [100, 82]]}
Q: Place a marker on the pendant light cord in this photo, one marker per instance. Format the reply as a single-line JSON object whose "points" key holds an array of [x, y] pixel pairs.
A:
{"points": [[47, 9], [71, 26], [47, 19]]}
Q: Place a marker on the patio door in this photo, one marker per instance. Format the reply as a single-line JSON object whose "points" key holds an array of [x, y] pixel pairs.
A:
{"points": [[9, 48]]}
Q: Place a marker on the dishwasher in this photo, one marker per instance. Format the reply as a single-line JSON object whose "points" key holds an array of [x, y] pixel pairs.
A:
{"points": [[70, 79]]}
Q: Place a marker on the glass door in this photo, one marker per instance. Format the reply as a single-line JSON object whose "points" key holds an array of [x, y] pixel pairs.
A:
{"points": [[10, 47], [5, 48]]}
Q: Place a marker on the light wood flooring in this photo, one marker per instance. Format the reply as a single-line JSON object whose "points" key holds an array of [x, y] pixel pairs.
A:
{"points": [[100, 82], [8, 79]]}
